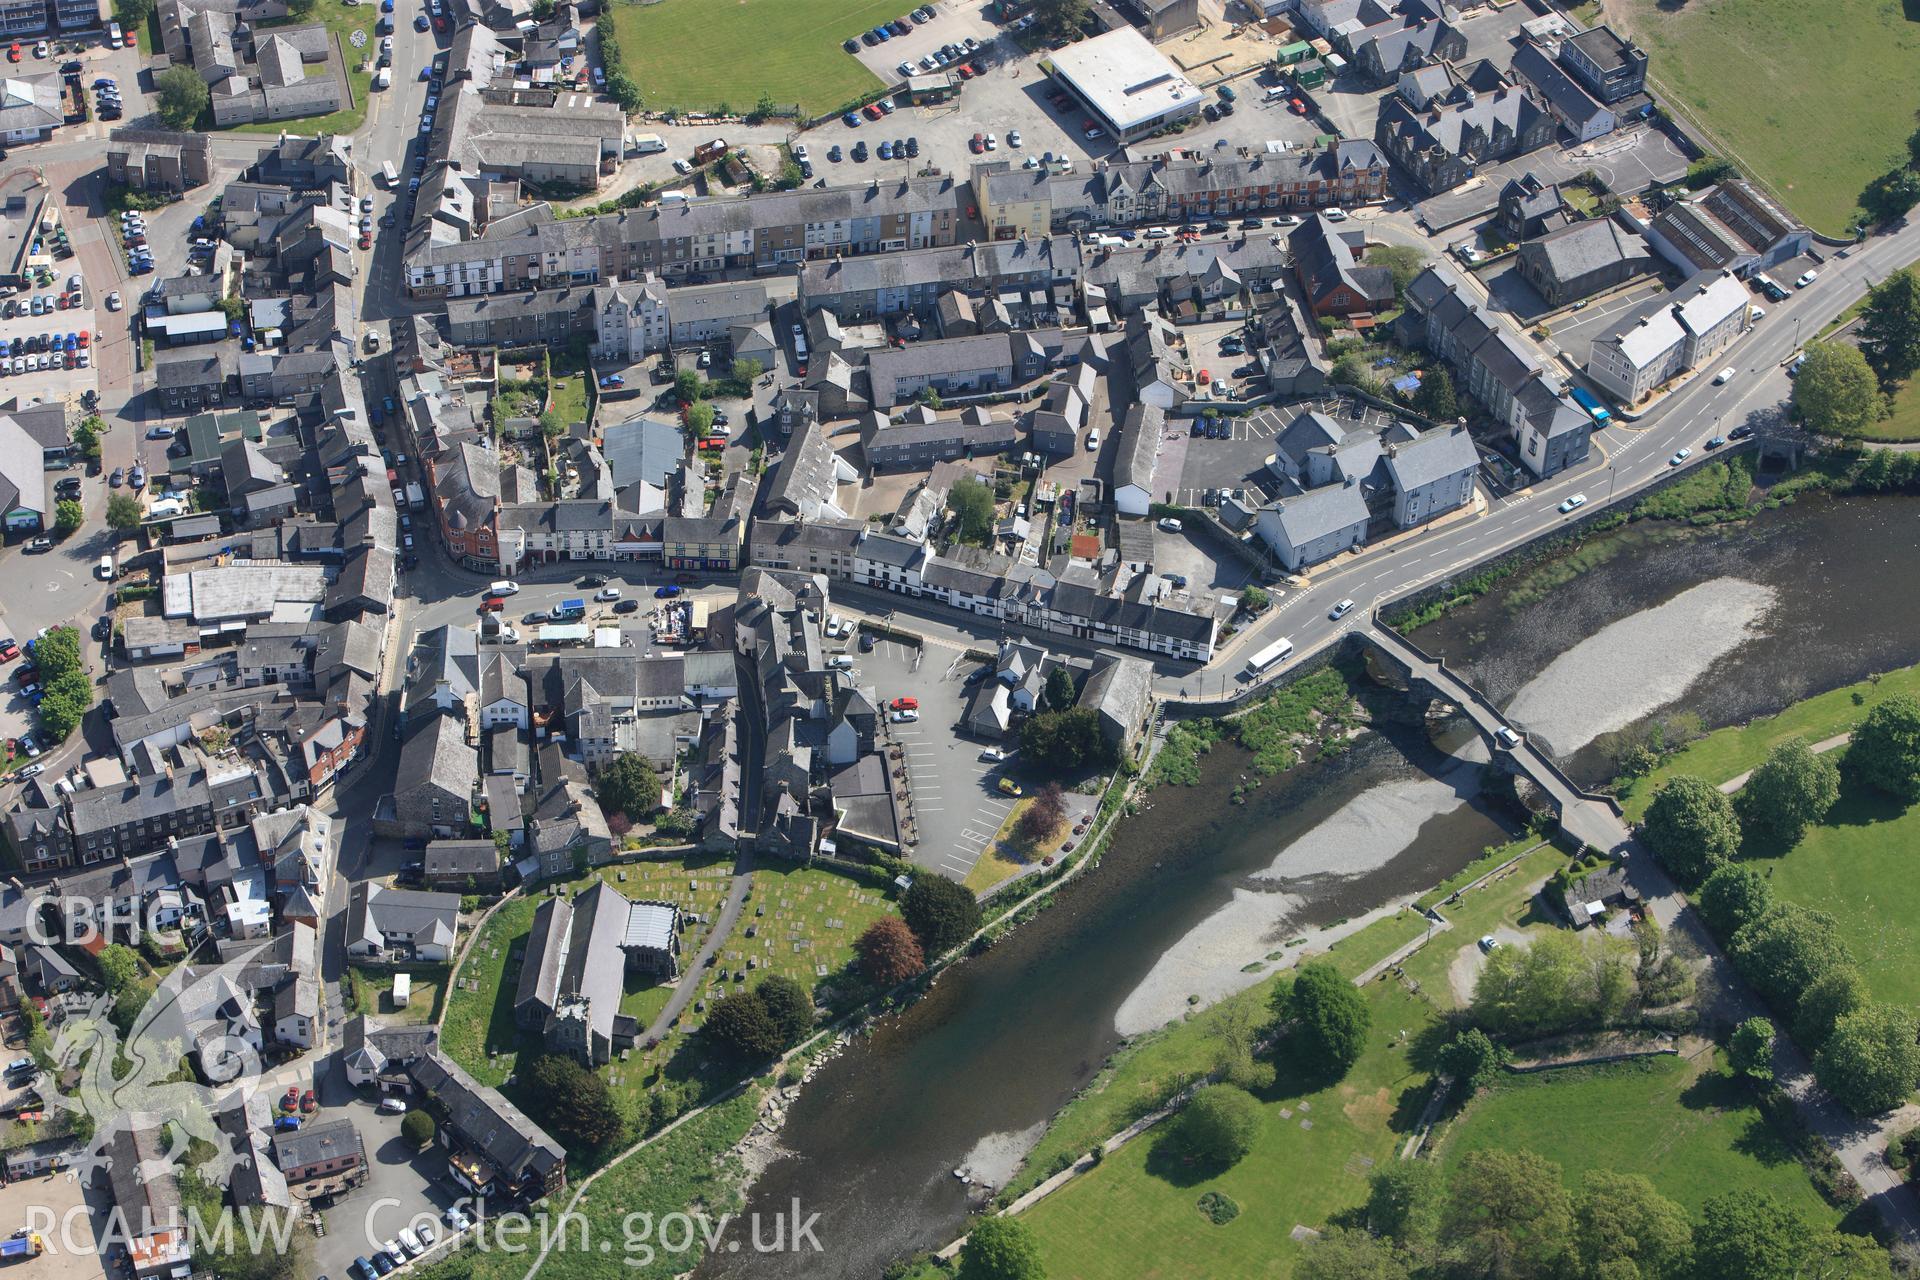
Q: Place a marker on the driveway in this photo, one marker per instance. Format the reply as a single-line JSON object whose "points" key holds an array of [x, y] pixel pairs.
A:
{"points": [[403, 1186]]}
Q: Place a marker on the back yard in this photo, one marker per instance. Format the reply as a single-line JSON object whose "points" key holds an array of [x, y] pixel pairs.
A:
{"points": [[1816, 100], [704, 54]]}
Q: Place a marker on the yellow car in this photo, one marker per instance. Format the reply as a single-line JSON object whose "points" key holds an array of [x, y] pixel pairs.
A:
{"points": [[1009, 787]]}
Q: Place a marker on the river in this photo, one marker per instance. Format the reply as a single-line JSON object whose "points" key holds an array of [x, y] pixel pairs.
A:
{"points": [[1725, 623]]}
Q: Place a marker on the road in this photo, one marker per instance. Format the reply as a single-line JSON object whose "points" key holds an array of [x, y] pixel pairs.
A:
{"points": [[1628, 458]]}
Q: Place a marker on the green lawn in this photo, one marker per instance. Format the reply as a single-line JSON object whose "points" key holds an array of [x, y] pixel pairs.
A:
{"points": [[1817, 98], [372, 989], [1135, 1214], [1726, 753], [1687, 1125], [1858, 867], [343, 22], [1903, 423], [700, 54], [480, 1021]]}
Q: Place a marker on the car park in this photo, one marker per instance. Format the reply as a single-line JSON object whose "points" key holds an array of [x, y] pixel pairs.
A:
{"points": [[1807, 277], [904, 717]]}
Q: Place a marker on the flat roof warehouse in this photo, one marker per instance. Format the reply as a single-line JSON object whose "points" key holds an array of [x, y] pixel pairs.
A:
{"points": [[1125, 81]]}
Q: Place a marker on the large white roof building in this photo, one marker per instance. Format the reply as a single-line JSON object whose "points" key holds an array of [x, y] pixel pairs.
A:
{"points": [[1128, 85]]}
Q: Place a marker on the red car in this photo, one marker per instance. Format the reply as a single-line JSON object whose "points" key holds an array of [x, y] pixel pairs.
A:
{"points": [[13, 53], [130, 42], [1296, 106], [904, 704], [308, 1103], [978, 142], [292, 1101], [86, 338], [9, 651], [872, 111], [492, 604], [366, 242], [967, 72]]}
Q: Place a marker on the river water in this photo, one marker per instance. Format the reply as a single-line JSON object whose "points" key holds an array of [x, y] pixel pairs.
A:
{"points": [[1725, 623]]}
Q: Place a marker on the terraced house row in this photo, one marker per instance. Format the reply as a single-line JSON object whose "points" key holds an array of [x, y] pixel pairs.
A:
{"points": [[532, 249]]}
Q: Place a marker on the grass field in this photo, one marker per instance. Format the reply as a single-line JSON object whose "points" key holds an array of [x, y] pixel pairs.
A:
{"points": [[1726, 753], [479, 1015], [702, 54], [1903, 422], [1135, 1214], [1685, 1124], [1857, 867], [1817, 99]]}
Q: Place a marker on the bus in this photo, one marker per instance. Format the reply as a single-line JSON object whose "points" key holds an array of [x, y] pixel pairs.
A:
{"points": [[1591, 403], [1270, 655]]}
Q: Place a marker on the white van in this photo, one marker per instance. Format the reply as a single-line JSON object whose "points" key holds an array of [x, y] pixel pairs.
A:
{"points": [[1093, 440], [647, 144], [1273, 95], [390, 175], [504, 587], [104, 570]]}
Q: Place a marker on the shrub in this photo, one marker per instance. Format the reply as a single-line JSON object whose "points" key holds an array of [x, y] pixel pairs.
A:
{"points": [[418, 1128]]}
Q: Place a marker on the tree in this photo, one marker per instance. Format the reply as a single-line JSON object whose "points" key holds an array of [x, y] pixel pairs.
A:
{"points": [[1783, 951], [1751, 1050], [1436, 397], [1044, 816], [1472, 1060], [1352, 370], [1066, 740], [1828, 998], [1507, 1214], [1218, 1126], [1835, 390], [789, 1003], [1404, 1202], [574, 1102], [1340, 1254], [746, 369], [417, 1127], [1733, 897], [1888, 197], [133, 13], [301, 8], [1619, 1217], [86, 436], [1059, 19], [1890, 326], [1871, 1062], [1059, 692], [1254, 599], [628, 785], [687, 386], [971, 502], [889, 953], [1884, 752], [119, 967], [68, 515], [1913, 150], [1559, 982], [1839, 1256], [123, 512], [1402, 261], [1691, 827], [741, 1024], [1000, 1248], [1748, 1235], [1708, 170], [1235, 1041], [1329, 1015], [942, 913], [930, 397], [700, 417], [57, 653], [182, 96], [552, 424], [1790, 791]]}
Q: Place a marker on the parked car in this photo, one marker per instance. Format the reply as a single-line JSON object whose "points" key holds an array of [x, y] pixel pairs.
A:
{"points": [[665, 593], [904, 704], [904, 717], [1169, 524], [1680, 457]]}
